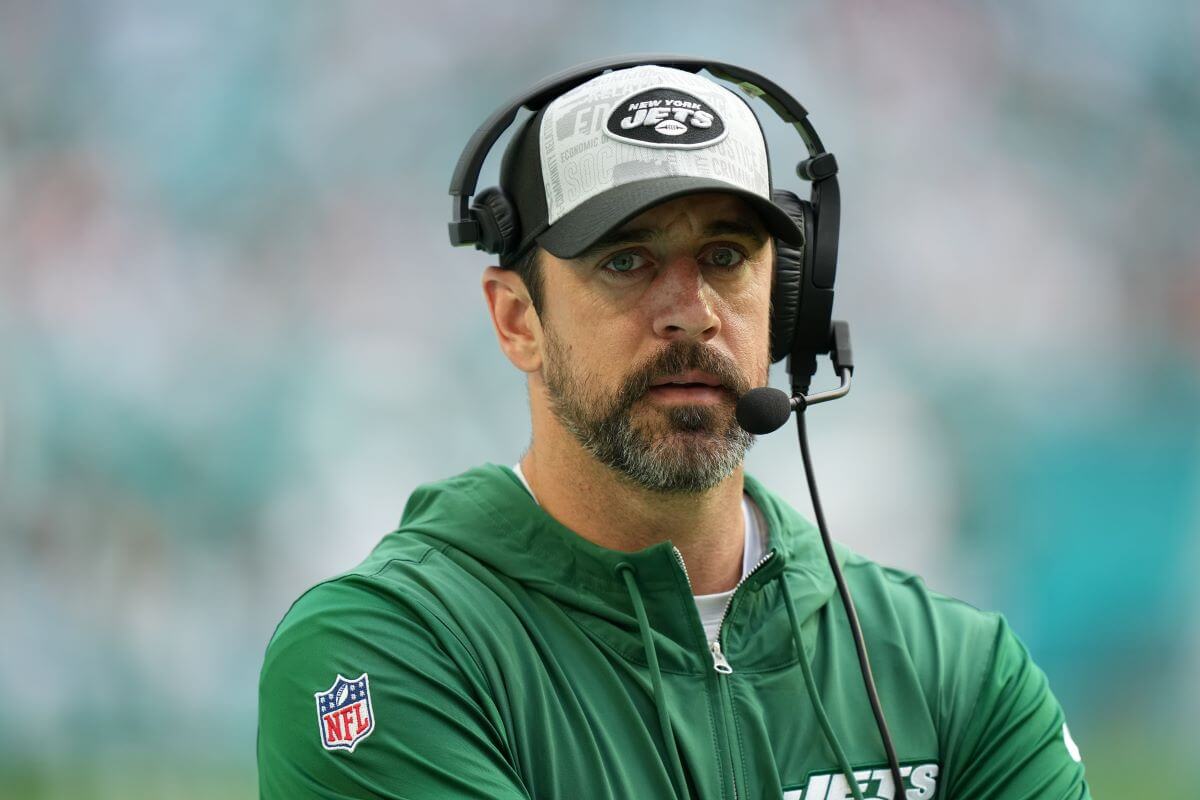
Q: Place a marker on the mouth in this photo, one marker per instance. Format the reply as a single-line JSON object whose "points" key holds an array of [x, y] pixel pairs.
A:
{"points": [[689, 388]]}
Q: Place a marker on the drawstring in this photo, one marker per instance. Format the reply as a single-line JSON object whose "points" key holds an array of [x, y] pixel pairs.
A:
{"points": [[664, 721], [811, 686], [660, 700]]}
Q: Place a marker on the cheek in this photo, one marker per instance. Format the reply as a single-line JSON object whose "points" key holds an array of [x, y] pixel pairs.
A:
{"points": [[602, 344], [748, 325]]}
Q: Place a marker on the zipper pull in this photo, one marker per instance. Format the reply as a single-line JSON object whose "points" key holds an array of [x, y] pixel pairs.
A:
{"points": [[719, 662]]}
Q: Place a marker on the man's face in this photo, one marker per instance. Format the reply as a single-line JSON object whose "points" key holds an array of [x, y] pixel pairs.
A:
{"points": [[652, 336]]}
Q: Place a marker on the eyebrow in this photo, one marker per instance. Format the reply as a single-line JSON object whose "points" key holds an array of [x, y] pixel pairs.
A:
{"points": [[721, 227]]}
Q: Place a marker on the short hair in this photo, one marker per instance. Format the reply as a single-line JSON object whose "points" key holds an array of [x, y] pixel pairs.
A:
{"points": [[529, 269]]}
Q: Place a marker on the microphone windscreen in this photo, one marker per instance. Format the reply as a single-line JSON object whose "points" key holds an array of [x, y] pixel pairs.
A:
{"points": [[763, 410]]}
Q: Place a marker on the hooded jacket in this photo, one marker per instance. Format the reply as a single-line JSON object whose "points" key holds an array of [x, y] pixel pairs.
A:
{"points": [[483, 650]]}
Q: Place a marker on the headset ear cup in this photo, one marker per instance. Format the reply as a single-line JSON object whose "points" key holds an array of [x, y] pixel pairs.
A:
{"points": [[787, 283], [498, 224]]}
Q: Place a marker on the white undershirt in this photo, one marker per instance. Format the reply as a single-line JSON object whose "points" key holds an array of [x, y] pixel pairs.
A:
{"points": [[712, 606]]}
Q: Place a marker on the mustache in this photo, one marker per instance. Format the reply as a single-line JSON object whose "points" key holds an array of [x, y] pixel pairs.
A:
{"points": [[681, 357]]}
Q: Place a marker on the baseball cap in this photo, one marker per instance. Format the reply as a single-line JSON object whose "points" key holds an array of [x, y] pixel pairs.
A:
{"points": [[626, 141]]}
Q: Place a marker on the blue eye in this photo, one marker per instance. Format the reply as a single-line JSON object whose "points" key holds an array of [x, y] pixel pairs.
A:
{"points": [[725, 257], [624, 262]]}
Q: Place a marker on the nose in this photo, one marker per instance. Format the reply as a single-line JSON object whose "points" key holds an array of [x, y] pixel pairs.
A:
{"points": [[683, 302]]}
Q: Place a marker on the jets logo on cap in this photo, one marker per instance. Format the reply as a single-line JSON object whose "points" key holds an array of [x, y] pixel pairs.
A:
{"points": [[665, 117]]}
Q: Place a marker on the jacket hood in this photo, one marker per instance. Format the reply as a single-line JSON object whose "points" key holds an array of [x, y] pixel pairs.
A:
{"points": [[487, 514]]}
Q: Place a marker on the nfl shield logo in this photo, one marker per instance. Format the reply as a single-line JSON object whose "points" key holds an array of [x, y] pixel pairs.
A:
{"points": [[344, 713]]}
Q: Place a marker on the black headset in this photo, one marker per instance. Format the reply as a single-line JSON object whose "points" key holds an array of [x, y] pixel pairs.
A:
{"points": [[802, 285]]}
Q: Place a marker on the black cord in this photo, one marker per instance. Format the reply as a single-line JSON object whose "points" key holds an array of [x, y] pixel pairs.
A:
{"points": [[851, 613]]}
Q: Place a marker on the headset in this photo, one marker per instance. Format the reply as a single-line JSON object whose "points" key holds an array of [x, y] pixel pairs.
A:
{"points": [[801, 290], [802, 284]]}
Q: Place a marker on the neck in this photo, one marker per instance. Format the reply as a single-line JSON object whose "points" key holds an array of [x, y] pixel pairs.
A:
{"points": [[607, 509]]}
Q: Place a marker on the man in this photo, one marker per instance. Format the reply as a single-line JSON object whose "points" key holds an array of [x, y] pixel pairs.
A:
{"points": [[624, 613]]}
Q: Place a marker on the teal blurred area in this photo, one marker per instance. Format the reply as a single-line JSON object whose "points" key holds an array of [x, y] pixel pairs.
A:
{"points": [[233, 337]]}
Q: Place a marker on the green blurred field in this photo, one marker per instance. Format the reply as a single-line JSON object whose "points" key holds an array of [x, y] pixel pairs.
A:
{"points": [[128, 781]]}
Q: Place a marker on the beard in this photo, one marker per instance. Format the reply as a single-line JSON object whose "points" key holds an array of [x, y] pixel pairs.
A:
{"points": [[679, 449]]}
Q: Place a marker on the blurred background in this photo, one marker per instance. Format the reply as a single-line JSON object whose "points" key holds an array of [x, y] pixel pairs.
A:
{"points": [[233, 336]]}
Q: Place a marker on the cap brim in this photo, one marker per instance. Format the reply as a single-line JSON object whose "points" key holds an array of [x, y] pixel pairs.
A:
{"points": [[583, 226]]}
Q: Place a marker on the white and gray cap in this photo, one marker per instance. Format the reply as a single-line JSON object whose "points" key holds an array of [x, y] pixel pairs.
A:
{"points": [[625, 141]]}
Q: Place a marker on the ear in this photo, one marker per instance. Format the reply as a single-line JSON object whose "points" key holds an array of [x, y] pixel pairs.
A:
{"points": [[514, 318]]}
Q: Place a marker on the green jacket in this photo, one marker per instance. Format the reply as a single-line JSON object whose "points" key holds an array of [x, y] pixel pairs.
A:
{"points": [[483, 650]]}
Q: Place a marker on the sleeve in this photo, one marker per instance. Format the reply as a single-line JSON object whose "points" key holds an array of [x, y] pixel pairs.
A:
{"points": [[1015, 743], [418, 725]]}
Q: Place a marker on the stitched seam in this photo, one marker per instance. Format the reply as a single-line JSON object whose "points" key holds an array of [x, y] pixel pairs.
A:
{"points": [[712, 729], [334, 579], [428, 549], [737, 725], [509, 750], [412, 598]]}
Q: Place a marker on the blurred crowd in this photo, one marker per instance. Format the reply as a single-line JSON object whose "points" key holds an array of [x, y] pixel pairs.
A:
{"points": [[233, 336]]}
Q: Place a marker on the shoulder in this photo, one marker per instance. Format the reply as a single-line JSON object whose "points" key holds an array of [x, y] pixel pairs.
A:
{"points": [[415, 589], [389, 606], [368, 686], [948, 645], [889, 601], [923, 635], [902, 600], [384, 628], [991, 704]]}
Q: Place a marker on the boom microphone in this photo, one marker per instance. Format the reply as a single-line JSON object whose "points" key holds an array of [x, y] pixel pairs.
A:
{"points": [[763, 410]]}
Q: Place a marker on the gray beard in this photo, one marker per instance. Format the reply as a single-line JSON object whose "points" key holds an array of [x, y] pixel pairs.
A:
{"points": [[701, 445]]}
